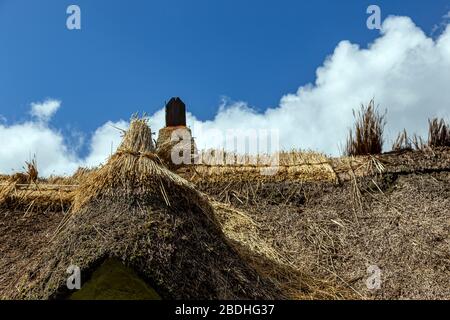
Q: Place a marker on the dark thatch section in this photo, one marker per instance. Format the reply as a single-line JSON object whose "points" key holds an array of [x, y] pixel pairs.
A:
{"points": [[135, 210], [397, 220]]}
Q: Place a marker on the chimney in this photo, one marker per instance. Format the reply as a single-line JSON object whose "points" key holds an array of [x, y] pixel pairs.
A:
{"points": [[175, 113]]}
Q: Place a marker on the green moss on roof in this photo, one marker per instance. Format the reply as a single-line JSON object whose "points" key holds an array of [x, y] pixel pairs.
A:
{"points": [[114, 281]]}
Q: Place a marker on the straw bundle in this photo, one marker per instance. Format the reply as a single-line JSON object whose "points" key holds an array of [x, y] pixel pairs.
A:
{"points": [[179, 141], [31, 199], [134, 167], [293, 166]]}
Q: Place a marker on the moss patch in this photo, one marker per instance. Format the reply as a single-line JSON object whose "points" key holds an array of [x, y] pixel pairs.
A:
{"points": [[114, 281]]}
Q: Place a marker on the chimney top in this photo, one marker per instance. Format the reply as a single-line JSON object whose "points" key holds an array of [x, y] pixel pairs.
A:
{"points": [[175, 113]]}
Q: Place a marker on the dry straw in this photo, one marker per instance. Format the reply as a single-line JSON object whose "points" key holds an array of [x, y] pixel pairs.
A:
{"points": [[438, 137], [134, 166], [438, 133], [23, 191], [367, 137], [292, 165]]}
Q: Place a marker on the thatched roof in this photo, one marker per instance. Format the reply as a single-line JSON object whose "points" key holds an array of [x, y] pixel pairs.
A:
{"points": [[177, 140], [391, 208], [136, 210]]}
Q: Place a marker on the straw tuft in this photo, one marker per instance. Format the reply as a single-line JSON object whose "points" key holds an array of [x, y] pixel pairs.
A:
{"points": [[367, 137]]}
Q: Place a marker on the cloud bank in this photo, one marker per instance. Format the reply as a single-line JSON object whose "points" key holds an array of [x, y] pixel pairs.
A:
{"points": [[406, 71], [45, 110], [23, 141]]}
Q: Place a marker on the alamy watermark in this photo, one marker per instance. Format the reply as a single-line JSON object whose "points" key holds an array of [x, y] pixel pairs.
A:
{"points": [[74, 280], [253, 147], [73, 21], [373, 282], [374, 20]]}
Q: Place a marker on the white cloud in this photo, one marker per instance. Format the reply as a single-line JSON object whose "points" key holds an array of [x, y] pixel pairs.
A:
{"points": [[44, 111], [23, 141], [104, 142], [20, 142], [439, 27], [406, 71]]}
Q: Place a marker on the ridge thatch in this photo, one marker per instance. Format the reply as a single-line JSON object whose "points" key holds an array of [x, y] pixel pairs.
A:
{"points": [[133, 167]]}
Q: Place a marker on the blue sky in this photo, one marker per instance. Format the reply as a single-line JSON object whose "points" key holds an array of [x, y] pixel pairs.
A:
{"points": [[133, 55]]}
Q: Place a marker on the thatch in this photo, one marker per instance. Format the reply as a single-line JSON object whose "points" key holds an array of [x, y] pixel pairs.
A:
{"points": [[438, 137], [398, 220], [246, 236], [73, 180], [367, 137], [261, 238], [217, 165], [438, 133], [29, 198], [135, 210], [176, 140], [24, 191], [402, 142]]}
